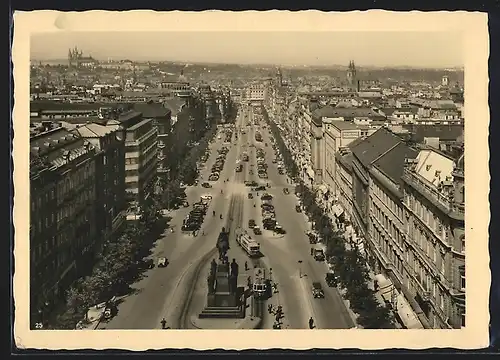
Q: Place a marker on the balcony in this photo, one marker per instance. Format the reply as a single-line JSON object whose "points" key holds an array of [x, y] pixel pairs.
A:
{"points": [[430, 191], [161, 145]]}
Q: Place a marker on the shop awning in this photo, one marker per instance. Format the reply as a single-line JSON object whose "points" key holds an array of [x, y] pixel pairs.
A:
{"points": [[406, 314], [323, 189], [337, 210], [385, 287]]}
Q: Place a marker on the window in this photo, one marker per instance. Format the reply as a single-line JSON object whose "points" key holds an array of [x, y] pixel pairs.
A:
{"points": [[463, 244], [441, 299], [462, 282], [463, 318]]}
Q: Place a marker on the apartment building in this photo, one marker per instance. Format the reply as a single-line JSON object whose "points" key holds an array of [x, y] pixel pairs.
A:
{"points": [[162, 121], [338, 134], [63, 229], [109, 143], [408, 210], [256, 93], [434, 207], [140, 155]]}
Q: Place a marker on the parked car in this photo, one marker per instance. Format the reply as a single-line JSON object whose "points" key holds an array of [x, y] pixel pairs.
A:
{"points": [[319, 255], [251, 223], [317, 290], [331, 279], [206, 185], [298, 208], [257, 231], [279, 229], [250, 195], [286, 191]]}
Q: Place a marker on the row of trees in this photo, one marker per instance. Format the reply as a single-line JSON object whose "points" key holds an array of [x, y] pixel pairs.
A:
{"points": [[186, 173], [348, 264], [118, 265], [120, 261]]}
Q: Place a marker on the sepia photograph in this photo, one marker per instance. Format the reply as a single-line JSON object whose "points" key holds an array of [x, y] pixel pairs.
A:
{"points": [[251, 180]]}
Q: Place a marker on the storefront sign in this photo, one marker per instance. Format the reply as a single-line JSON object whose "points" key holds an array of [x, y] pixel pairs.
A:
{"points": [[350, 134]]}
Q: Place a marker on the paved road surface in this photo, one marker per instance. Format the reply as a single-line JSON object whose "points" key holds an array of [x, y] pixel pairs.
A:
{"points": [[178, 291], [158, 294], [283, 253]]}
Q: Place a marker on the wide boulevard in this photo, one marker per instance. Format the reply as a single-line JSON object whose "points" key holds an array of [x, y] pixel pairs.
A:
{"points": [[177, 292]]}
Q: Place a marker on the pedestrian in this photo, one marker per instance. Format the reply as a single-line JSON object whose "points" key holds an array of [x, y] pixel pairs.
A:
{"points": [[312, 251], [163, 323], [246, 266], [311, 323], [270, 308]]}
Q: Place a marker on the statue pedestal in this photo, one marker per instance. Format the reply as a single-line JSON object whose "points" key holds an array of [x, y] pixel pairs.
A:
{"points": [[225, 299]]}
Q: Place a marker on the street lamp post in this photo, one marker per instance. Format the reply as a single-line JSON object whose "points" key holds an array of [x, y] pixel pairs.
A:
{"points": [[300, 268]]}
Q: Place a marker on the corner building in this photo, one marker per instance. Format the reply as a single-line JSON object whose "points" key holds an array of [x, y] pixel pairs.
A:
{"points": [[434, 203], [62, 215]]}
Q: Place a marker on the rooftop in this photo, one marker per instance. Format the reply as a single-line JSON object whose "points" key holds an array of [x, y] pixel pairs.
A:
{"points": [[375, 145], [94, 130], [333, 112], [392, 163], [152, 110], [451, 132], [434, 166], [54, 145], [344, 125]]}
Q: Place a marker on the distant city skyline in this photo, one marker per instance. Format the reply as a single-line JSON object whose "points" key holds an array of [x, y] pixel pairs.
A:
{"points": [[370, 49]]}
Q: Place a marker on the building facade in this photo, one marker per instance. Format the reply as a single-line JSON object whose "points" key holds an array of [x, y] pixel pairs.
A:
{"points": [[161, 117], [256, 93], [63, 229], [140, 155], [109, 143], [434, 203], [338, 134]]}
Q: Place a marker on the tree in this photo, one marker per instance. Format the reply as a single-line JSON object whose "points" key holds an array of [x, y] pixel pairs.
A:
{"points": [[78, 297], [378, 318]]}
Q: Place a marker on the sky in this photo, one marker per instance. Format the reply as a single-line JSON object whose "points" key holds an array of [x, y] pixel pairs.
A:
{"points": [[412, 49]]}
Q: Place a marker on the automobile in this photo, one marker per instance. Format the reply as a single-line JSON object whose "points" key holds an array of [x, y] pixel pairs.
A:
{"points": [[266, 196], [257, 231], [213, 177], [250, 172], [274, 161], [319, 255], [206, 185], [313, 239], [286, 191], [260, 187], [147, 264], [331, 279], [185, 203], [279, 229], [162, 262], [250, 195], [251, 223], [317, 290], [298, 208]]}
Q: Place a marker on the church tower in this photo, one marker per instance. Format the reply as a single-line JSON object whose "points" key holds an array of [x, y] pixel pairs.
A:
{"points": [[351, 76], [279, 78]]}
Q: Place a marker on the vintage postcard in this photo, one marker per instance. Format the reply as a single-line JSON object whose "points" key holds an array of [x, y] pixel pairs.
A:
{"points": [[184, 180]]}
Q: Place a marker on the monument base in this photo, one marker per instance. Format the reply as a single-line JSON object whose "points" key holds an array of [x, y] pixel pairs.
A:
{"points": [[225, 305]]}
